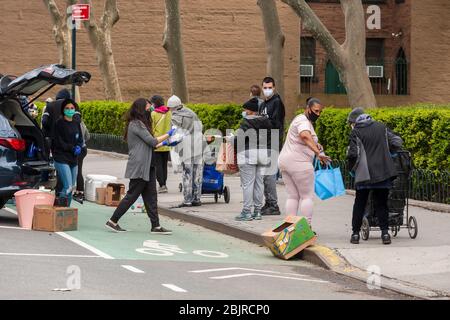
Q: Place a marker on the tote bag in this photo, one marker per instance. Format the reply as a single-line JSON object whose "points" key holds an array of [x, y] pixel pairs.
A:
{"points": [[328, 182]]}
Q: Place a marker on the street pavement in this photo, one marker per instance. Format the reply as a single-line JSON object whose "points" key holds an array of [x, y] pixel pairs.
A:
{"points": [[423, 262], [194, 263]]}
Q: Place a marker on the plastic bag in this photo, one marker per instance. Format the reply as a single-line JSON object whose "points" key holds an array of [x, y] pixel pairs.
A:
{"points": [[227, 159]]}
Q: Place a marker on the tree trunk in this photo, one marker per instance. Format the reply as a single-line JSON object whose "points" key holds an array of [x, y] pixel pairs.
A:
{"points": [[174, 49], [348, 58], [100, 38], [61, 31], [274, 43]]}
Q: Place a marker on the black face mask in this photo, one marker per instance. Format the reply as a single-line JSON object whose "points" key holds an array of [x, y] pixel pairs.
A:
{"points": [[312, 116]]}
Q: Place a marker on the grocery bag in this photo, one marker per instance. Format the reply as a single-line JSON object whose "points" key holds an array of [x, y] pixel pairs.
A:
{"points": [[328, 182], [227, 159]]}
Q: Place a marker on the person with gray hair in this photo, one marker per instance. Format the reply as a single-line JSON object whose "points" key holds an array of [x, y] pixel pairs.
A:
{"points": [[369, 158], [190, 150]]}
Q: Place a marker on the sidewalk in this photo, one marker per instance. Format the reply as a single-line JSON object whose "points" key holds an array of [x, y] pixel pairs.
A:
{"points": [[420, 266]]}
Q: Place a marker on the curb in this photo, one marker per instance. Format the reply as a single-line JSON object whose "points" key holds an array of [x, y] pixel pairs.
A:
{"points": [[318, 255]]}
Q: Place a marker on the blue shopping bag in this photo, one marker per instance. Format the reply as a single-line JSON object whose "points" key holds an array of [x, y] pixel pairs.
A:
{"points": [[328, 181]]}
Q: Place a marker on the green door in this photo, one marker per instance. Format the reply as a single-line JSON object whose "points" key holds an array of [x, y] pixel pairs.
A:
{"points": [[333, 84]]}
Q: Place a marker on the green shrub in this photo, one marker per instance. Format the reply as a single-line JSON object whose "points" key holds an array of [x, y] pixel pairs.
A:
{"points": [[425, 131]]}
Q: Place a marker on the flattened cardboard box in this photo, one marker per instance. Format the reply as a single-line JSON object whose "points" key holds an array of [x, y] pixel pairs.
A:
{"points": [[114, 193], [55, 219], [291, 237]]}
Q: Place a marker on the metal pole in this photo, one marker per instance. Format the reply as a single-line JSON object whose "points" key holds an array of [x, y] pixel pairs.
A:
{"points": [[74, 52]]}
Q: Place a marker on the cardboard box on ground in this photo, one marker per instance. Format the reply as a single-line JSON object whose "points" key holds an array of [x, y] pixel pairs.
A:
{"points": [[111, 195], [55, 219], [291, 237]]}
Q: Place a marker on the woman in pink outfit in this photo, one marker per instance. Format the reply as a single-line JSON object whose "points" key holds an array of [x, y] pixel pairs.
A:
{"points": [[296, 160]]}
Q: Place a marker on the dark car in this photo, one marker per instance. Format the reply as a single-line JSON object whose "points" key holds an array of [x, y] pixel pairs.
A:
{"points": [[24, 152]]}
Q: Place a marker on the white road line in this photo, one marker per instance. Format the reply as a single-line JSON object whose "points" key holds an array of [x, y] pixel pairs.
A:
{"points": [[245, 269], [132, 269], [173, 287], [265, 275], [85, 245], [15, 228], [46, 255], [10, 210]]}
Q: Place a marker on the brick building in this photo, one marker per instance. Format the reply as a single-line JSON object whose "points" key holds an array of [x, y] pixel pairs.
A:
{"points": [[225, 49]]}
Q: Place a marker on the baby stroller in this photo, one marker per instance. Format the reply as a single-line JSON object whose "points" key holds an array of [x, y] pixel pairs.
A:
{"points": [[397, 202]]}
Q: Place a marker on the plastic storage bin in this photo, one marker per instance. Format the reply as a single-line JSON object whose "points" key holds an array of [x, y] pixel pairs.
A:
{"points": [[25, 202], [94, 181]]}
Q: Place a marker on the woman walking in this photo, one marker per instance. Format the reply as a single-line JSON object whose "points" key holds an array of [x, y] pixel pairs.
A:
{"points": [[296, 161], [161, 123], [67, 149], [139, 169]]}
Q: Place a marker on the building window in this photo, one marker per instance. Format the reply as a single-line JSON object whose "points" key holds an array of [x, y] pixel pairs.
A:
{"points": [[307, 63], [399, 1], [374, 51], [401, 73]]}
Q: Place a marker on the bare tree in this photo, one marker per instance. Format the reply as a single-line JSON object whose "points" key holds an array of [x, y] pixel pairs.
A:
{"points": [[348, 58], [100, 37], [61, 30], [174, 48], [274, 42]]}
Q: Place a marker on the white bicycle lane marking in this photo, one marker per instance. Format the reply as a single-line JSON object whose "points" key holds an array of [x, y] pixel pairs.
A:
{"points": [[156, 248]]}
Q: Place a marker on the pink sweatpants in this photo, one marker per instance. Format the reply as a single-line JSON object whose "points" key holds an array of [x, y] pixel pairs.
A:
{"points": [[300, 190]]}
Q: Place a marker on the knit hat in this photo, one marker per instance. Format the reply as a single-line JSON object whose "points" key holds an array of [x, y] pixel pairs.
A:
{"points": [[251, 105], [354, 114], [174, 102], [63, 94]]}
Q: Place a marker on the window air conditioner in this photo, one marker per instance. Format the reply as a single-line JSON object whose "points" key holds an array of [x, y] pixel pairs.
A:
{"points": [[306, 70], [375, 71]]}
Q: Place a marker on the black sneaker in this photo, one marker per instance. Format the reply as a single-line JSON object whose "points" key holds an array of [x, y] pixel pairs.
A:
{"points": [[355, 238], [160, 230], [114, 227], [78, 197], [271, 211], [386, 238], [196, 203]]}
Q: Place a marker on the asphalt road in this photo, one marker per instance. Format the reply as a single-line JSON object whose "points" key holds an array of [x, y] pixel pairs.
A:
{"points": [[193, 263]]}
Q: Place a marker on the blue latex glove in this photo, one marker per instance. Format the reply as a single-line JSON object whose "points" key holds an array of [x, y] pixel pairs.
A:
{"points": [[173, 144], [77, 150], [171, 132]]}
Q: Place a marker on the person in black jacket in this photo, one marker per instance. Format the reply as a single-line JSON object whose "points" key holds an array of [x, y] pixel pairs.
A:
{"points": [[252, 143], [369, 157], [273, 108], [68, 146]]}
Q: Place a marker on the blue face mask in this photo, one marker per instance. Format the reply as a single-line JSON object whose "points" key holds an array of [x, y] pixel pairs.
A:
{"points": [[69, 113]]}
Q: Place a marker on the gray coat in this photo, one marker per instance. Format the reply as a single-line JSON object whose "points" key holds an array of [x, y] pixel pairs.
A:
{"points": [[140, 148]]}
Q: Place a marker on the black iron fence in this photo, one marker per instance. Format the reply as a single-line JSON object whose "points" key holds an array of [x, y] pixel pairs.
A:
{"points": [[107, 142], [425, 185]]}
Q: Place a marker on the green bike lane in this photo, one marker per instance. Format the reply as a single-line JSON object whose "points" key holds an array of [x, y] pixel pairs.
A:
{"points": [[187, 243]]}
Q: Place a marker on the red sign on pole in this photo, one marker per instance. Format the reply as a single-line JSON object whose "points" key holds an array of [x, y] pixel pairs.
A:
{"points": [[81, 11]]}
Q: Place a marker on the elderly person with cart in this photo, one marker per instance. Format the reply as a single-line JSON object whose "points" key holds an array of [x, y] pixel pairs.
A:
{"points": [[369, 158]]}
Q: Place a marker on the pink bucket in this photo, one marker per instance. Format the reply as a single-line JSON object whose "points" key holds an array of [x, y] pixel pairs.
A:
{"points": [[25, 202]]}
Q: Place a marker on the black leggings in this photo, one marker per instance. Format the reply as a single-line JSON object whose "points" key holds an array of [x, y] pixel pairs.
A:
{"points": [[139, 187], [380, 199], [161, 160], [80, 179]]}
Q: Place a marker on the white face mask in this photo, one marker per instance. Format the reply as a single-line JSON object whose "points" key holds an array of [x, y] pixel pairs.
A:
{"points": [[268, 93]]}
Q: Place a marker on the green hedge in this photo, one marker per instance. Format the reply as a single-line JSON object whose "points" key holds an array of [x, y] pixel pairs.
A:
{"points": [[107, 116], [425, 131]]}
